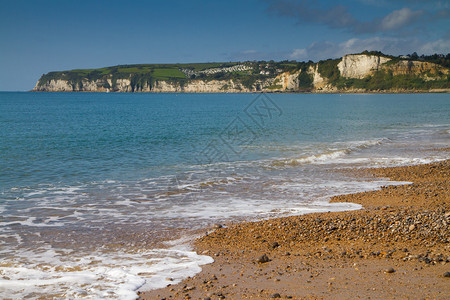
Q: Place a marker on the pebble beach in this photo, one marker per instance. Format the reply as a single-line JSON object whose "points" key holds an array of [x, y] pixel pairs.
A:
{"points": [[397, 246]]}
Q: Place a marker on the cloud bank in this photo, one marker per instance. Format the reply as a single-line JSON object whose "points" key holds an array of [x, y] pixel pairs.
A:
{"points": [[389, 45], [339, 17]]}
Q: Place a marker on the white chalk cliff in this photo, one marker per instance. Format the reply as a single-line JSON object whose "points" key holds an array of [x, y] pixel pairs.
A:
{"points": [[357, 66]]}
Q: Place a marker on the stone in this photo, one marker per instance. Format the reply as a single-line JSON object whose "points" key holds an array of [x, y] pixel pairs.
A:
{"points": [[263, 259], [276, 295], [217, 226], [447, 274], [389, 270]]}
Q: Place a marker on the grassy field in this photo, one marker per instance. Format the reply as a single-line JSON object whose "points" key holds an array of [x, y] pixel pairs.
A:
{"points": [[168, 73], [150, 72]]}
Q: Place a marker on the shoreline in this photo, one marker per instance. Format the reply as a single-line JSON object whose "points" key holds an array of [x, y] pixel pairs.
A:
{"points": [[432, 91], [397, 246]]}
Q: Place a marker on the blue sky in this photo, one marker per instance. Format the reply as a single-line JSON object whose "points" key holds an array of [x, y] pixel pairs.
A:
{"points": [[37, 37]]}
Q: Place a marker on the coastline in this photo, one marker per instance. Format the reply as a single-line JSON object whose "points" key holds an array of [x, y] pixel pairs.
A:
{"points": [[395, 91], [396, 247]]}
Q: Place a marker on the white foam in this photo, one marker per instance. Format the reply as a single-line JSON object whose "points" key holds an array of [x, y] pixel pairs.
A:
{"points": [[386, 161], [96, 275], [337, 150], [34, 222], [316, 158]]}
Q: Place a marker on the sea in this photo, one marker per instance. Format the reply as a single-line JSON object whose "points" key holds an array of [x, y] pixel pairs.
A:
{"points": [[102, 194]]}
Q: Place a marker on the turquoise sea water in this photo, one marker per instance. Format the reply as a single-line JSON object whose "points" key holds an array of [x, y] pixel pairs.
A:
{"points": [[95, 188]]}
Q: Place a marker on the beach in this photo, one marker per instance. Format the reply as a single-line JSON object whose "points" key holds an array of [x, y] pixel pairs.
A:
{"points": [[144, 175], [397, 246]]}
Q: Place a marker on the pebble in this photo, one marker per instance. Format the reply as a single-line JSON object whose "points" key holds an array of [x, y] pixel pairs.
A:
{"points": [[447, 274], [389, 270], [276, 295], [217, 226], [263, 259]]}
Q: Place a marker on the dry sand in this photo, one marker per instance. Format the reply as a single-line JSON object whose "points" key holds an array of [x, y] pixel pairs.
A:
{"points": [[396, 247]]}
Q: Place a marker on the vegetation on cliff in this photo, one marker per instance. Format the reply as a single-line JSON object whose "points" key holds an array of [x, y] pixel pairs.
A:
{"points": [[385, 80]]}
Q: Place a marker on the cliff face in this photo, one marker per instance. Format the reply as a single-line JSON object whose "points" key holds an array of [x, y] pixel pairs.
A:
{"points": [[320, 84], [419, 68], [288, 81], [327, 76], [58, 85], [200, 86], [359, 66], [194, 86], [61, 85]]}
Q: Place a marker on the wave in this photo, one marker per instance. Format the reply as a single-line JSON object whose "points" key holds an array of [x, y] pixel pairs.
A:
{"points": [[330, 155], [101, 275]]}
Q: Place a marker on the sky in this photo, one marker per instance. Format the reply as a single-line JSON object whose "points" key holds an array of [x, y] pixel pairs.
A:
{"points": [[37, 37]]}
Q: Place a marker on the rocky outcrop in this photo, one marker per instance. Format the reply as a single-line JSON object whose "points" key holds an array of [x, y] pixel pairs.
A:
{"points": [[320, 83], [61, 85], [288, 81], [124, 85], [360, 65], [58, 85], [217, 86], [193, 86], [199, 86], [419, 68]]}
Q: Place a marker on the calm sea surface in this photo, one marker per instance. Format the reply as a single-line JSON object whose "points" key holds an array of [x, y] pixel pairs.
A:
{"points": [[99, 193]]}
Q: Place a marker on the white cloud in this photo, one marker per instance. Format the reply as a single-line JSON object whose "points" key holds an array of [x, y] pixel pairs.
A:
{"points": [[388, 45], [299, 54], [399, 18], [439, 46], [339, 16]]}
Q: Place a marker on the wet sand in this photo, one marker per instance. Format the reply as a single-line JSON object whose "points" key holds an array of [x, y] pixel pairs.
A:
{"points": [[396, 247]]}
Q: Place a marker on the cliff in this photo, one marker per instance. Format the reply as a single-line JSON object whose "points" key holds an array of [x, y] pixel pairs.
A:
{"points": [[351, 73], [359, 66], [159, 86]]}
